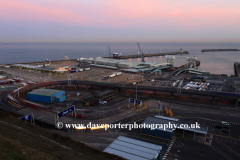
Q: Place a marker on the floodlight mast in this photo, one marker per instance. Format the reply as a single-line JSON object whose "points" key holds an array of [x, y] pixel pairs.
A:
{"points": [[109, 51], [141, 52]]}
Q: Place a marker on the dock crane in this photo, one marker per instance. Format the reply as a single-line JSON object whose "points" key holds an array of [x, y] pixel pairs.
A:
{"points": [[141, 52], [109, 51]]}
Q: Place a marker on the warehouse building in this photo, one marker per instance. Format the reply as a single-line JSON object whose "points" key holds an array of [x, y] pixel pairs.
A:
{"points": [[121, 63], [46, 95], [134, 149], [170, 133]]}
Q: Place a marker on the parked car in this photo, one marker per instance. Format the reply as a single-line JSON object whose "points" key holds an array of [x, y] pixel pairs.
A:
{"points": [[80, 116], [72, 115], [88, 111], [102, 102], [2, 83]]}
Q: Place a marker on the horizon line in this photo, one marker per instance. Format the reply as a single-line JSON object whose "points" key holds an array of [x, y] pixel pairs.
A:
{"points": [[200, 41]]}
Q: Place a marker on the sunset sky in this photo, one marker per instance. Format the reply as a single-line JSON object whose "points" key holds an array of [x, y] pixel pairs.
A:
{"points": [[119, 20]]}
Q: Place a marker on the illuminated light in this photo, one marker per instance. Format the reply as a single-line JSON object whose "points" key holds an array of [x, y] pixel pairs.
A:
{"points": [[120, 53], [103, 53], [100, 127], [80, 127], [130, 59]]}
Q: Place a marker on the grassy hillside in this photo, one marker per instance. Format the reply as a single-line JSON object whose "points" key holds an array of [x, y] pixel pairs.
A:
{"points": [[20, 140]]}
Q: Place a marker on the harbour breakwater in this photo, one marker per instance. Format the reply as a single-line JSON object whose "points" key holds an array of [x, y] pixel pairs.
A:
{"points": [[149, 55], [217, 50]]}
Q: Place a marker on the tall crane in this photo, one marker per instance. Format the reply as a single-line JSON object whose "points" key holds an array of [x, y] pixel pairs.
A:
{"points": [[141, 52], [109, 51]]}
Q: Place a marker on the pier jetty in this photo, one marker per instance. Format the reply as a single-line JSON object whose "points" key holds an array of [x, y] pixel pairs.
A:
{"points": [[188, 64], [149, 55], [237, 69], [219, 50]]}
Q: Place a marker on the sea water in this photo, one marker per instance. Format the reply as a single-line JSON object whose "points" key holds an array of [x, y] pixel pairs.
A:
{"points": [[214, 62]]}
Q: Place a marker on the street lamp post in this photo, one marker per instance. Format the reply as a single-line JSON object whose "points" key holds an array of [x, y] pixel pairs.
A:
{"points": [[136, 91], [18, 91]]}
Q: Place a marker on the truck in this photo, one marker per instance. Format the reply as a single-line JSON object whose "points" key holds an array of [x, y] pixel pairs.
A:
{"points": [[174, 84], [80, 70], [17, 79], [119, 73], [112, 75], [10, 81], [87, 69], [105, 77], [73, 68], [23, 84], [72, 71], [66, 67]]}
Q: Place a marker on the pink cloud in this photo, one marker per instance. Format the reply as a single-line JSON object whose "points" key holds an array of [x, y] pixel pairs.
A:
{"points": [[177, 12], [125, 13], [23, 11]]}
